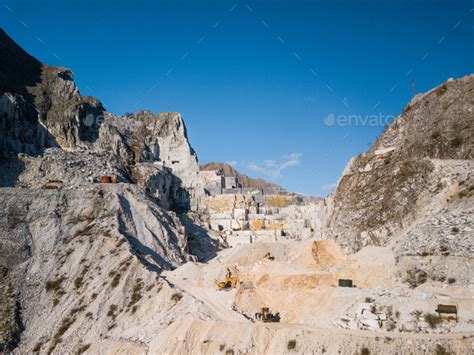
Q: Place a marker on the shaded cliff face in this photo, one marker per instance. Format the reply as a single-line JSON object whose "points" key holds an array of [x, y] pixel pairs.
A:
{"points": [[40, 105], [425, 153]]}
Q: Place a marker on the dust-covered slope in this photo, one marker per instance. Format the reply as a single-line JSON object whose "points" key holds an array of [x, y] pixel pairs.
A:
{"points": [[84, 264], [298, 280]]}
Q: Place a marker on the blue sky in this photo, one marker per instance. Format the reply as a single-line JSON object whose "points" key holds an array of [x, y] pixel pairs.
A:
{"points": [[265, 85]]}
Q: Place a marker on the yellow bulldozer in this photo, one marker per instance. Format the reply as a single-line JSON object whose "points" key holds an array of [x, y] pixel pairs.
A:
{"points": [[230, 281]]}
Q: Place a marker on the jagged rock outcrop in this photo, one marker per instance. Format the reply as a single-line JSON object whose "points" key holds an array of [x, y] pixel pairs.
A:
{"points": [[424, 156], [40, 105], [159, 139]]}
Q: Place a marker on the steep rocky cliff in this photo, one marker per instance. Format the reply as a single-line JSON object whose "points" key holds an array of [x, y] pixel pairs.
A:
{"points": [[40, 105], [145, 138], [76, 253], [421, 163]]}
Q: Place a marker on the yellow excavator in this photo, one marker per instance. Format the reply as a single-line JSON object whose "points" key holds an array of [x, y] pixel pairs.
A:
{"points": [[265, 316], [230, 281]]}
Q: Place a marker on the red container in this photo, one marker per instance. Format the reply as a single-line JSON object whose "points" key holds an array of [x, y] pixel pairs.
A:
{"points": [[105, 179]]}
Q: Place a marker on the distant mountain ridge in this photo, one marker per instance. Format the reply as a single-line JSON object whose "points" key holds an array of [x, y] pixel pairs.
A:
{"points": [[246, 181]]}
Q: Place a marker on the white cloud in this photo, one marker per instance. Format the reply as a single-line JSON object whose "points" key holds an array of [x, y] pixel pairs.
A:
{"points": [[273, 168], [232, 163], [329, 187], [291, 160]]}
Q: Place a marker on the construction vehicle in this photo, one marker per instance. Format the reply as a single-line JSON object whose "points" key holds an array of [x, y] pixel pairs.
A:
{"points": [[269, 256], [105, 179], [108, 179], [448, 309], [52, 184], [229, 283], [265, 316]]}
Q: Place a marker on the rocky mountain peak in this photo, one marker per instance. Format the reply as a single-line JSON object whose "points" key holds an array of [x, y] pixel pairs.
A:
{"points": [[385, 188], [41, 106]]}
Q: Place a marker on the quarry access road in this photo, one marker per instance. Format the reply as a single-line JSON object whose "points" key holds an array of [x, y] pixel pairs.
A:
{"points": [[212, 298]]}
